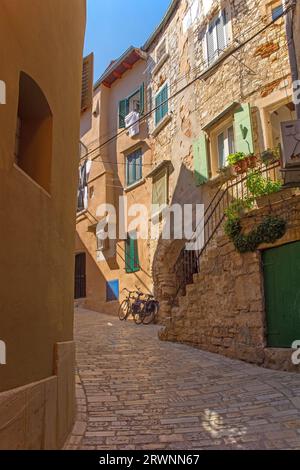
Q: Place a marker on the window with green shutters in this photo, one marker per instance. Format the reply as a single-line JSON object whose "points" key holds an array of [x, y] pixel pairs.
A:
{"points": [[134, 168], [131, 253], [134, 102], [161, 104]]}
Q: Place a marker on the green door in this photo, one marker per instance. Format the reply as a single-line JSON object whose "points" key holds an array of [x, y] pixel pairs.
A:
{"points": [[282, 294]]}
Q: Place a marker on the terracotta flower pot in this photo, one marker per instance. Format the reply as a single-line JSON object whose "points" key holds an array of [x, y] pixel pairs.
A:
{"points": [[252, 160], [241, 166]]}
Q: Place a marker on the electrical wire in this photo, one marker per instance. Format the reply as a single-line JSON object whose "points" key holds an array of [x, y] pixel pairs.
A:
{"points": [[181, 90]]}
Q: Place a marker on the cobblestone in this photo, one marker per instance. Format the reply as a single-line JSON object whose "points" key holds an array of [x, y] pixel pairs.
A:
{"points": [[136, 392]]}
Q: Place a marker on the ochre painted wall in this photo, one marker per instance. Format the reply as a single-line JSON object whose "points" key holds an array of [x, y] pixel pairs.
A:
{"points": [[44, 39], [108, 180]]}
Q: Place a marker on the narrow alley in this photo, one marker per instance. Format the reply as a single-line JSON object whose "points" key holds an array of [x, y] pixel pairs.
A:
{"points": [[136, 392]]}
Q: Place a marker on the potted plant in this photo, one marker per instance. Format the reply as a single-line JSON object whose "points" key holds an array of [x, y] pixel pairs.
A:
{"points": [[261, 188], [251, 160], [238, 161], [270, 155]]}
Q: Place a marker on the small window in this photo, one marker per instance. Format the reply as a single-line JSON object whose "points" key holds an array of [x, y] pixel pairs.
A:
{"points": [[225, 145], [91, 192], [216, 37], [133, 103], [277, 12], [134, 167], [162, 105], [161, 50], [160, 189], [132, 264], [112, 290], [33, 138]]}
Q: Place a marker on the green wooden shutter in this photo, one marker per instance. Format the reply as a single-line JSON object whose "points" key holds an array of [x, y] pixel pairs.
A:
{"points": [[162, 104], [131, 255], [200, 160], [122, 113], [243, 129], [142, 99], [158, 111]]}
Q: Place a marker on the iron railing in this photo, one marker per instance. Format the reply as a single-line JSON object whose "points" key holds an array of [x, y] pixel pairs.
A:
{"points": [[188, 262]]}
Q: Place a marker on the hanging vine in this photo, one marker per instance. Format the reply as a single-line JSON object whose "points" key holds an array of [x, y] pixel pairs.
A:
{"points": [[268, 231]]}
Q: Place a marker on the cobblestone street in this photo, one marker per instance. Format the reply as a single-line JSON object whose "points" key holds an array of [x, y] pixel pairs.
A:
{"points": [[135, 392]]}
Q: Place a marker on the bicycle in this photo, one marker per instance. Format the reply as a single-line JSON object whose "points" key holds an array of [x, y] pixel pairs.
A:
{"points": [[132, 305], [142, 310], [151, 309]]}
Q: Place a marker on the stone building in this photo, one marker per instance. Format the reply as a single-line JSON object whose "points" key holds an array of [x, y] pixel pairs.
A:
{"points": [[218, 81], [41, 66], [235, 56], [118, 168]]}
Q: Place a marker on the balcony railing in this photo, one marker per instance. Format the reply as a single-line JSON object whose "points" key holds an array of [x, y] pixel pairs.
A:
{"points": [[189, 262]]}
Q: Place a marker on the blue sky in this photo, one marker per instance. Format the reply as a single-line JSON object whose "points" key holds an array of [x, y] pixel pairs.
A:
{"points": [[114, 25]]}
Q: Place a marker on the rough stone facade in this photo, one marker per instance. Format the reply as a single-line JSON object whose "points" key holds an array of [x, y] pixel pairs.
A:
{"points": [[224, 310], [257, 73]]}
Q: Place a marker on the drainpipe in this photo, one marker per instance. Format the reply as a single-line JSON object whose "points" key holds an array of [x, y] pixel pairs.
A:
{"points": [[291, 45]]}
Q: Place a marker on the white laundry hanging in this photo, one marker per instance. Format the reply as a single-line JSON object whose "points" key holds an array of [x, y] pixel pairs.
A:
{"points": [[132, 123]]}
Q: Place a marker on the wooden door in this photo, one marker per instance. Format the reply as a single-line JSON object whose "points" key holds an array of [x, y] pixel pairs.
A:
{"points": [[282, 294], [80, 276]]}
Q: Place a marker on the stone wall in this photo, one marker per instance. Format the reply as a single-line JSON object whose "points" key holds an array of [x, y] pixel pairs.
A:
{"points": [[224, 309], [258, 73]]}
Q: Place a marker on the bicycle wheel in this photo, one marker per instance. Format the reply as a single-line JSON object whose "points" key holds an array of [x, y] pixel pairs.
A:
{"points": [[151, 310], [138, 318], [124, 310]]}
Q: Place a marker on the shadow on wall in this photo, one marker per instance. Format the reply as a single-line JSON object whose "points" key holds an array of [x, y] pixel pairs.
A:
{"points": [[168, 251]]}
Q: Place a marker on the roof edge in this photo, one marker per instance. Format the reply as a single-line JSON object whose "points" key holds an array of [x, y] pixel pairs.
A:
{"points": [[118, 62], [172, 7]]}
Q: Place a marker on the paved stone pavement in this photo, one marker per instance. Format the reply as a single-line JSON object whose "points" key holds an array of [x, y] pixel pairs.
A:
{"points": [[136, 392]]}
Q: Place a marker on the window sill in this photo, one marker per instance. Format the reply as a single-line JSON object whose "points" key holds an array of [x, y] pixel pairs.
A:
{"points": [[81, 213], [162, 124], [132, 271], [210, 70], [227, 174], [160, 63], [134, 185], [35, 183]]}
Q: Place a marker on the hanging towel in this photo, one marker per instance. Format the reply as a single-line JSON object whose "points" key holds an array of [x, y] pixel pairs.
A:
{"points": [[132, 122], [84, 172]]}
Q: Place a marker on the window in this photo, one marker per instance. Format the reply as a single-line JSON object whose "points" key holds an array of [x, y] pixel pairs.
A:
{"points": [[91, 192], [277, 12], [161, 104], [134, 102], [190, 16], [216, 37], [134, 167], [225, 145], [229, 132], [160, 189], [33, 138], [161, 50], [131, 253], [112, 290]]}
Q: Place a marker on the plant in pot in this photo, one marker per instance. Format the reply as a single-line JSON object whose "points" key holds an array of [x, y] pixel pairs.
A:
{"points": [[270, 155], [239, 161], [261, 187], [251, 160]]}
